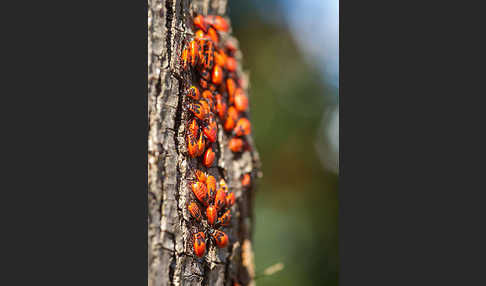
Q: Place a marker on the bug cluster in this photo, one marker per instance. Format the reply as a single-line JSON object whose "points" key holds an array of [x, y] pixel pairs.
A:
{"points": [[216, 99], [217, 201]]}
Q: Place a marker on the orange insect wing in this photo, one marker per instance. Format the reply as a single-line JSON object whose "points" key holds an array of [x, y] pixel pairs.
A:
{"points": [[221, 238], [241, 100], [217, 76], [211, 214], [231, 87], [235, 144], [199, 244], [208, 157], [194, 210], [225, 219], [243, 127], [211, 186], [201, 193], [220, 199]]}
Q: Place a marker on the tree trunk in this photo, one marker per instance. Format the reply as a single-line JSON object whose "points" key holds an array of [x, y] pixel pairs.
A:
{"points": [[170, 170]]}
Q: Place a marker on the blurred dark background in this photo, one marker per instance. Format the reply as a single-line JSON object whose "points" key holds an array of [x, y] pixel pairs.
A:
{"points": [[290, 49]]}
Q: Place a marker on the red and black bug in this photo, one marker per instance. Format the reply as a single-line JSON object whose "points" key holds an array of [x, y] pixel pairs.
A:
{"points": [[230, 64], [201, 192], [213, 35], [220, 238], [200, 110], [193, 52], [199, 244], [220, 58], [208, 157], [201, 176], [241, 100], [193, 92], [192, 148], [211, 214], [236, 144], [230, 87], [221, 106], [200, 22], [195, 211], [231, 118], [217, 75], [218, 22], [245, 180], [243, 127], [210, 129], [194, 128], [220, 199], [208, 97], [211, 186], [201, 144], [225, 219]]}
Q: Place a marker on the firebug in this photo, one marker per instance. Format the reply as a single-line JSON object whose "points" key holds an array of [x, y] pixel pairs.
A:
{"points": [[220, 58], [230, 87], [243, 127], [230, 64], [211, 186], [193, 92], [208, 158], [217, 75], [193, 52], [199, 244], [220, 199], [229, 124], [225, 219], [192, 145], [231, 119], [220, 238], [194, 128], [218, 22], [207, 59], [213, 35], [241, 100], [220, 106], [200, 22], [200, 109], [201, 176], [201, 144], [200, 191], [210, 129], [236, 144], [211, 214], [245, 180], [194, 210]]}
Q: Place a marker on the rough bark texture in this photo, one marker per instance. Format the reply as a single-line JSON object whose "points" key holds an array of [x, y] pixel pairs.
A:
{"points": [[170, 170]]}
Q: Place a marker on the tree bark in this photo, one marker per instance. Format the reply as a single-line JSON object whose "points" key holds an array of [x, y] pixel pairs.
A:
{"points": [[170, 254]]}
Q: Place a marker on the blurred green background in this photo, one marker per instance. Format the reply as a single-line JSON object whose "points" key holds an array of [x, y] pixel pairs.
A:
{"points": [[293, 92]]}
